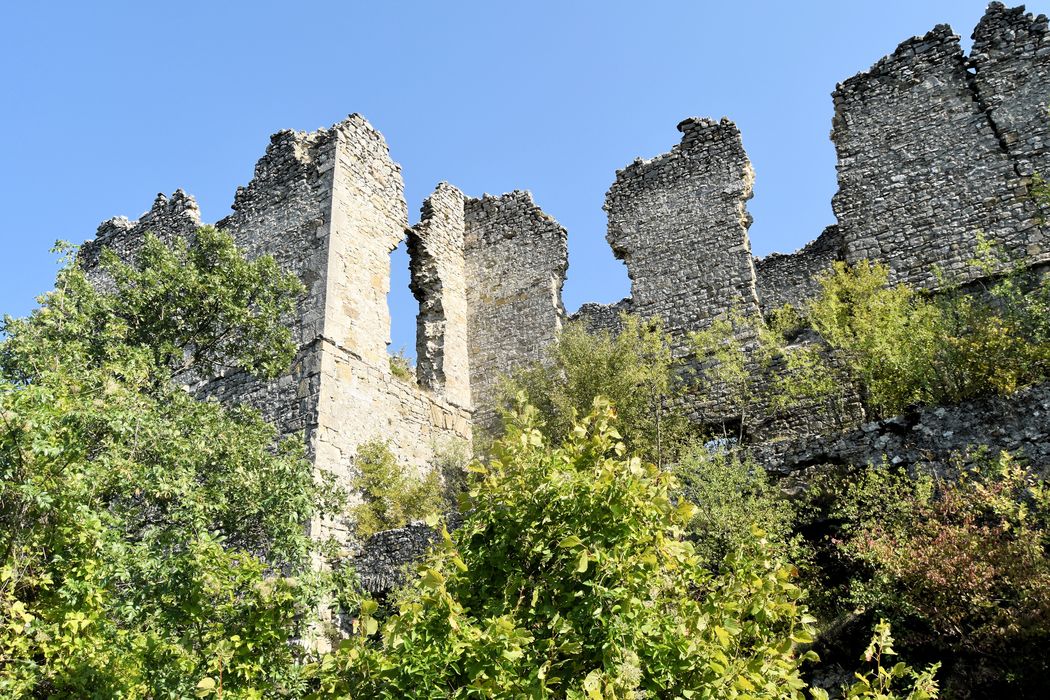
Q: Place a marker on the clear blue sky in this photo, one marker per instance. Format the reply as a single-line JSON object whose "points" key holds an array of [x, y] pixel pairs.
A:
{"points": [[108, 103]]}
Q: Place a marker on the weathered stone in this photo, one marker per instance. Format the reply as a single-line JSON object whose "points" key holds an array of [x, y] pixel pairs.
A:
{"points": [[516, 260]]}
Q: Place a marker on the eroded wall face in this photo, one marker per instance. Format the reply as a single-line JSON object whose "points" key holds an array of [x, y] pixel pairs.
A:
{"points": [[679, 222], [1011, 58], [516, 257], [439, 284], [921, 169]]}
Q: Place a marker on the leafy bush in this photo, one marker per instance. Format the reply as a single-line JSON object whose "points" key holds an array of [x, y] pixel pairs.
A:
{"points": [[733, 497], [749, 366], [880, 682], [391, 497], [571, 578], [910, 348], [960, 566], [635, 369], [152, 545]]}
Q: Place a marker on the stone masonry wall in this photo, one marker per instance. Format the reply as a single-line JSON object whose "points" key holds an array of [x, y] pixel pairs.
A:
{"points": [[791, 279], [679, 221], [329, 206], [1011, 60], [435, 249], [169, 218], [921, 168], [933, 435], [516, 259]]}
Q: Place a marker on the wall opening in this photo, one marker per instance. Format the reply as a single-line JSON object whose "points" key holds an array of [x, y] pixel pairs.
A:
{"points": [[403, 312]]}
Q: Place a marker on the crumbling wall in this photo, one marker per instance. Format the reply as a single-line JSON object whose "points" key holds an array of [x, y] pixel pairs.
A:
{"points": [[329, 207], [921, 169], [933, 435], [516, 258], [603, 318], [360, 399], [435, 248], [1011, 58], [792, 278], [679, 221], [168, 218]]}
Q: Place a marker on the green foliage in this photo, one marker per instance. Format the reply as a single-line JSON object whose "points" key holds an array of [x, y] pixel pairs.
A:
{"points": [[910, 348], [733, 497], [402, 367], [748, 365], [961, 566], [571, 578], [152, 545], [391, 497], [878, 684], [452, 460], [635, 369]]}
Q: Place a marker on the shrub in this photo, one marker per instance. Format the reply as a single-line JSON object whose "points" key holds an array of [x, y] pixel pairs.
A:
{"points": [[402, 367], [571, 578], [635, 369], [391, 497], [733, 497], [747, 364], [910, 348], [960, 566]]}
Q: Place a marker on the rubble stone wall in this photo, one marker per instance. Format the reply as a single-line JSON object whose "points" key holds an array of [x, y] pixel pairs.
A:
{"points": [[1011, 62], [679, 221], [922, 170], [516, 260], [793, 278]]}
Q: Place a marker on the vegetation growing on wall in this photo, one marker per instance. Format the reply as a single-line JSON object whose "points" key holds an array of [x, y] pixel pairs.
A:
{"points": [[391, 496], [908, 347], [635, 369]]}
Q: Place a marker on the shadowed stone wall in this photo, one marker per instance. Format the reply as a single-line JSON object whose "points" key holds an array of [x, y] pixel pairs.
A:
{"points": [[793, 278]]}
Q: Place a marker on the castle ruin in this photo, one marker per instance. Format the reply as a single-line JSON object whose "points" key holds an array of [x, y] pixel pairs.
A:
{"points": [[933, 147]]}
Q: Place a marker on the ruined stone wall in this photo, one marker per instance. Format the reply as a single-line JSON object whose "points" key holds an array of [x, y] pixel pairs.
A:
{"points": [[921, 168], [168, 218], [679, 221], [1011, 61], [516, 259], [329, 207], [792, 278], [603, 318], [933, 435], [438, 268]]}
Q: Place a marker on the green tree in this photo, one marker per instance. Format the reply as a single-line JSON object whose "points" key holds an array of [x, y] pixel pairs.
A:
{"points": [[152, 545], [635, 368]]}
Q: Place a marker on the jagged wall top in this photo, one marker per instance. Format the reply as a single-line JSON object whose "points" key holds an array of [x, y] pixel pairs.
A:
{"points": [[679, 222]]}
